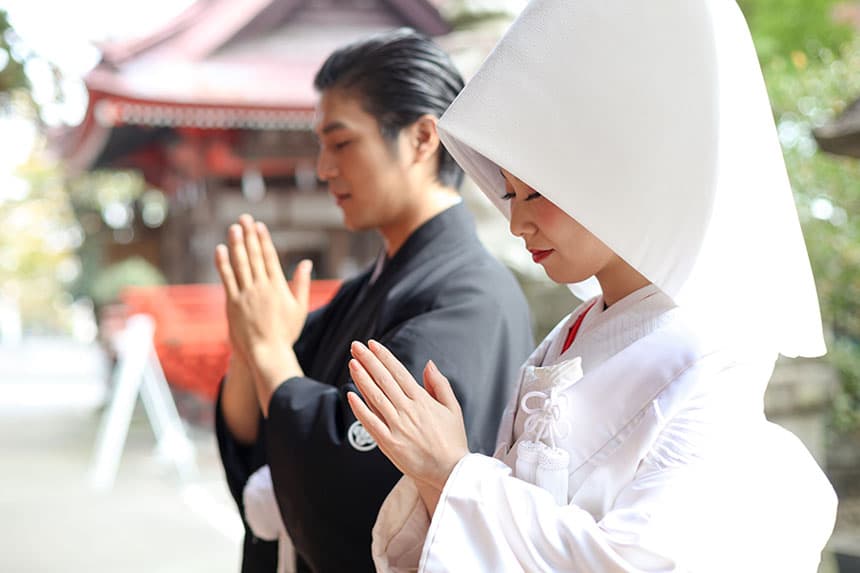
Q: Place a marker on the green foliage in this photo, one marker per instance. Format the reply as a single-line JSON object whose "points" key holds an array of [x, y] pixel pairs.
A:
{"points": [[845, 355], [95, 190], [462, 14], [781, 27], [38, 238], [466, 19], [134, 271], [12, 75], [812, 69], [92, 194]]}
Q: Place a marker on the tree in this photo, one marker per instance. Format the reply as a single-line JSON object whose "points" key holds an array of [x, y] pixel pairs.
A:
{"points": [[39, 233], [38, 239], [812, 69], [12, 76], [783, 27]]}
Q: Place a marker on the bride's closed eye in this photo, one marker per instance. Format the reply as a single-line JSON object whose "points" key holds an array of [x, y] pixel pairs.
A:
{"points": [[510, 195]]}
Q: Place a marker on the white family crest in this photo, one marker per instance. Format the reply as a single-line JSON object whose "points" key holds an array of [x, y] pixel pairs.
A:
{"points": [[359, 438]]}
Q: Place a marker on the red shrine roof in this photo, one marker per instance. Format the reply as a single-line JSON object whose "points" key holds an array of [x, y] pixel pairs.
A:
{"points": [[230, 64], [248, 52]]}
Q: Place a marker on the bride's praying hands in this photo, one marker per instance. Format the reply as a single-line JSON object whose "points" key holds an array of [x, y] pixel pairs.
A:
{"points": [[419, 429]]}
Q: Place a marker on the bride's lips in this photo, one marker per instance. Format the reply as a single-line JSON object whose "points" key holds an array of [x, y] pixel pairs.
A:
{"points": [[341, 197], [538, 255]]}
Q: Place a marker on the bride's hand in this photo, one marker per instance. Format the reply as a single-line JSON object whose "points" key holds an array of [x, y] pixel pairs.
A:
{"points": [[419, 429]]}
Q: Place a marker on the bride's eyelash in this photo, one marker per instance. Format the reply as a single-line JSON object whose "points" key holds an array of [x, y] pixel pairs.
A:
{"points": [[529, 197]]}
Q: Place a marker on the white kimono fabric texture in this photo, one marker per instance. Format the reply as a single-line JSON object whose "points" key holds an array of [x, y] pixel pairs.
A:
{"points": [[647, 123], [671, 467], [264, 517], [539, 458]]}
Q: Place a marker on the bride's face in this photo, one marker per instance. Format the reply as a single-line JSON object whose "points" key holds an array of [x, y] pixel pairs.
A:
{"points": [[568, 252]]}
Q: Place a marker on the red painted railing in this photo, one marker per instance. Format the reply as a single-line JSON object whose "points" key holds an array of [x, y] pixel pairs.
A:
{"points": [[191, 329]]}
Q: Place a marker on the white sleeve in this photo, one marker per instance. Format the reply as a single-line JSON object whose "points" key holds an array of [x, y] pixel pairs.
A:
{"points": [[402, 523], [480, 524], [756, 502], [400, 530], [261, 508], [718, 489], [488, 520]]}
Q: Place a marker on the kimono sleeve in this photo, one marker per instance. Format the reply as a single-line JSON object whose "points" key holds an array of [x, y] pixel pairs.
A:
{"points": [[308, 421], [477, 344], [240, 461], [680, 512]]}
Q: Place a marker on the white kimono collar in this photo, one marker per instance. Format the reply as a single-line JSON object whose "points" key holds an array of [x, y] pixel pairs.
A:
{"points": [[605, 405]]}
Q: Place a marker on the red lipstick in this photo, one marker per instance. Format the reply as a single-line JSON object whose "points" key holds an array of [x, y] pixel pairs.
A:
{"points": [[539, 255]]}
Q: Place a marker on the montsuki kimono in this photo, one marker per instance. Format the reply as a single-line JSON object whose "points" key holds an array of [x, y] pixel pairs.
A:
{"points": [[668, 464], [443, 297], [644, 446]]}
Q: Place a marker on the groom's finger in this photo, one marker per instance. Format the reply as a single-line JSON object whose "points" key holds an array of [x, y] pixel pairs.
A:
{"points": [[222, 264], [239, 257]]}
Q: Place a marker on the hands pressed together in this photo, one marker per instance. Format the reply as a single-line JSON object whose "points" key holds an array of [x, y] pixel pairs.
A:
{"points": [[264, 312], [419, 429]]}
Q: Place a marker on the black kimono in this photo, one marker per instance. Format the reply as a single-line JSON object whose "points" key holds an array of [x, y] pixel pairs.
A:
{"points": [[442, 297]]}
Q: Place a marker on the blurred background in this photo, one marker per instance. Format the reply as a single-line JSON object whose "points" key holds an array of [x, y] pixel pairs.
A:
{"points": [[132, 134]]}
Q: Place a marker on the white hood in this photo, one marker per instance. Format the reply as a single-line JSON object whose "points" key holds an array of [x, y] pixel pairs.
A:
{"points": [[649, 123]]}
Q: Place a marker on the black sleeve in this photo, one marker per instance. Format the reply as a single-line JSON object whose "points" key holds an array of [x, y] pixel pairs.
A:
{"points": [[240, 461], [258, 555], [327, 491], [324, 484], [312, 332], [479, 346]]}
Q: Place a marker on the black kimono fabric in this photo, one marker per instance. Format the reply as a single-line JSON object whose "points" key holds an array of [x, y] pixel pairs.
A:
{"points": [[441, 297]]}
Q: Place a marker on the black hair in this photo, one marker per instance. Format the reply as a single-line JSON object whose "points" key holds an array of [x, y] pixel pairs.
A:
{"points": [[399, 76]]}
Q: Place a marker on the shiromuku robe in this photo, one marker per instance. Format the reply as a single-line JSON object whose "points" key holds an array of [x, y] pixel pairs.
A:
{"points": [[671, 464]]}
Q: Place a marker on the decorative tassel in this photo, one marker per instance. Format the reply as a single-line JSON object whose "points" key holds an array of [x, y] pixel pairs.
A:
{"points": [[552, 473], [538, 460], [527, 460]]}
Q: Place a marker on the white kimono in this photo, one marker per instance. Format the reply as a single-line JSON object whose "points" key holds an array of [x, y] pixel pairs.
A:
{"points": [[668, 455]]}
